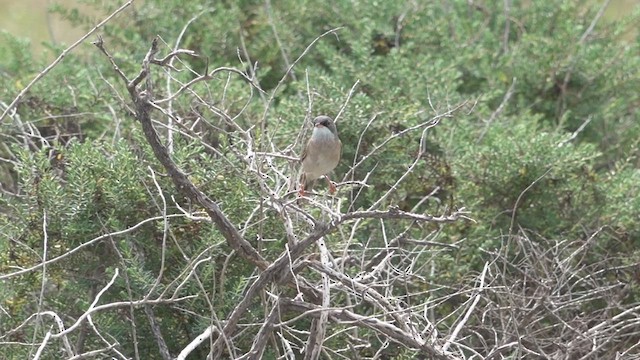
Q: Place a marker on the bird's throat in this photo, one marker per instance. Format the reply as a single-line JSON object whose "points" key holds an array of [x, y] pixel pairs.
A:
{"points": [[322, 134]]}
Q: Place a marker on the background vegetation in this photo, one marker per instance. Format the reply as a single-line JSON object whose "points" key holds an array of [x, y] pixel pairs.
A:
{"points": [[525, 114]]}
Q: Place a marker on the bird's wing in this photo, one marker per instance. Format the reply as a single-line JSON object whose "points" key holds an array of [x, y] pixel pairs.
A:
{"points": [[304, 154], [305, 151]]}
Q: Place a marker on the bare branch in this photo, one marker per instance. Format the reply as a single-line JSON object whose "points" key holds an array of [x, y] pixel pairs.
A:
{"points": [[384, 328], [64, 53]]}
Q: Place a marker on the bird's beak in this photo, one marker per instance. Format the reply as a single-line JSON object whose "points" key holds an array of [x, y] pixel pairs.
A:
{"points": [[319, 125]]}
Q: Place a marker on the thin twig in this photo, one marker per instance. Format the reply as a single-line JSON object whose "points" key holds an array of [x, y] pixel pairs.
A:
{"points": [[64, 53], [464, 320]]}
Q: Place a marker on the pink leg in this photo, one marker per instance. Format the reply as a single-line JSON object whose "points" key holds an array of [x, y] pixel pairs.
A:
{"points": [[303, 182], [332, 187]]}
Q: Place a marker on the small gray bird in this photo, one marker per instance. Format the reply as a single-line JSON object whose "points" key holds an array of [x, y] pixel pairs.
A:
{"points": [[322, 153]]}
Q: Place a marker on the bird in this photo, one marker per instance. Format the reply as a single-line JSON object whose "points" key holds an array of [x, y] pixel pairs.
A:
{"points": [[321, 154]]}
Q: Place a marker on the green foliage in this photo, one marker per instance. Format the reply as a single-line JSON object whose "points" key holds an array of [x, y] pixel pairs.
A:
{"points": [[85, 190], [536, 174], [521, 85], [16, 60]]}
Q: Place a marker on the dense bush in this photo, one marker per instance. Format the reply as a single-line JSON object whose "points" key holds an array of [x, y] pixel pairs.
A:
{"points": [[536, 137]]}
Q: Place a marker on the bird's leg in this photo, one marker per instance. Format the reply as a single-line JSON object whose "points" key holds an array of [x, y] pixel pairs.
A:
{"points": [[332, 186], [303, 181]]}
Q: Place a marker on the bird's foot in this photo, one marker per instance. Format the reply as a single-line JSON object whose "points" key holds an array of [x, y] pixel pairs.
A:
{"points": [[332, 187]]}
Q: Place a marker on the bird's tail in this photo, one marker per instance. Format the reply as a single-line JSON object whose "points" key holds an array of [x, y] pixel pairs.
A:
{"points": [[306, 184]]}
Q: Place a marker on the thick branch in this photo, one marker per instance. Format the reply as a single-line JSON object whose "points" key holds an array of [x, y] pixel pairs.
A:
{"points": [[143, 108]]}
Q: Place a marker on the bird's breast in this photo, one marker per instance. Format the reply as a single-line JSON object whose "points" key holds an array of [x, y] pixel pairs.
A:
{"points": [[323, 153]]}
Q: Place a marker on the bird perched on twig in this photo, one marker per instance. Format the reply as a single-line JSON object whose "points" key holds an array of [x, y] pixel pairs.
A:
{"points": [[321, 155]]}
